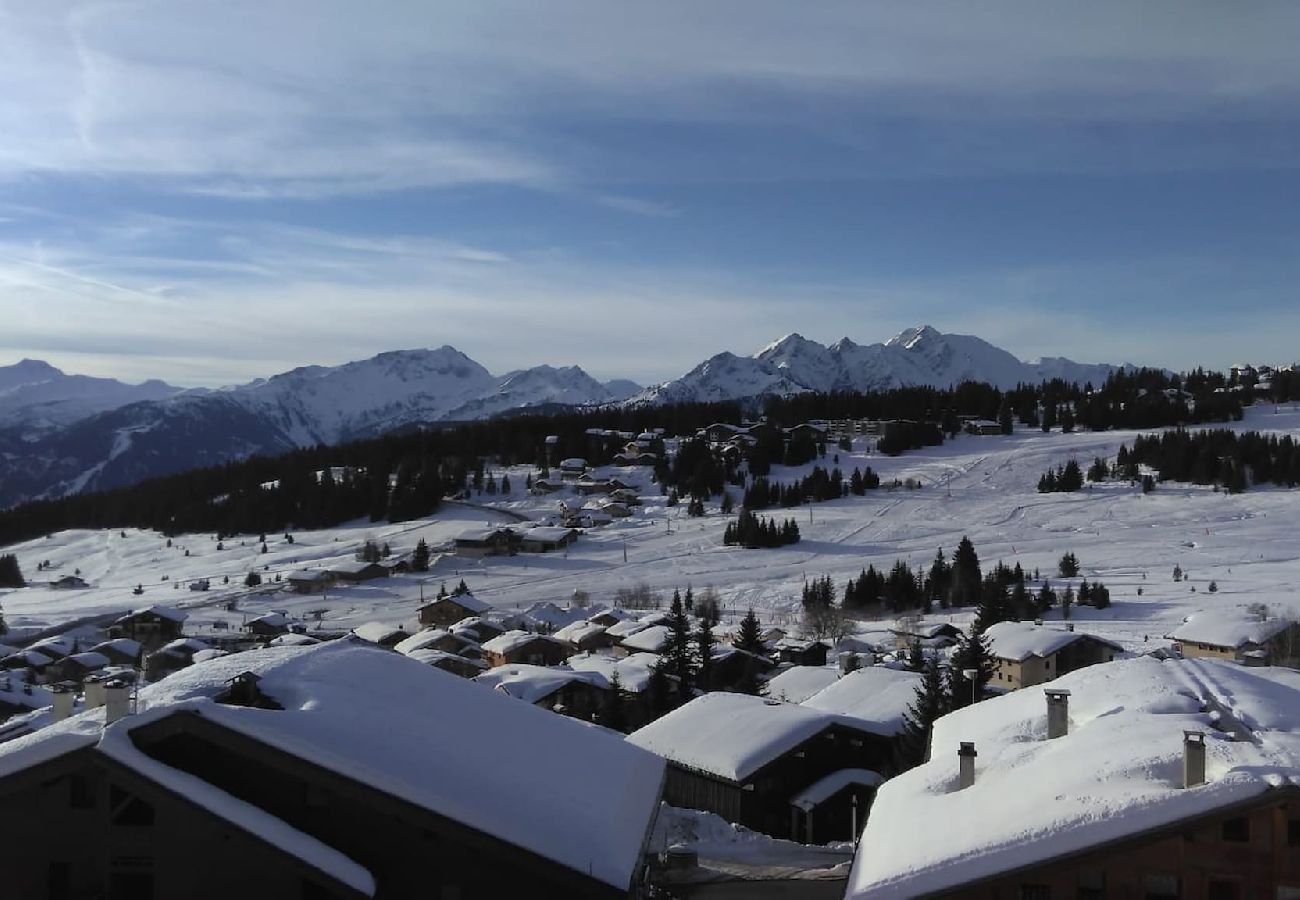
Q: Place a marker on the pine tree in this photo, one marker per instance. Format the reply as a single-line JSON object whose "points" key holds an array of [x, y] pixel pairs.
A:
{"points": [[932, 701], [1069, 565], [972, 652], [505, 484], [704, 653], [965, 590], [616, 709], [253, 580], [11, 576], [420, 558], [677, 655], [750, 636], [995, 606]]}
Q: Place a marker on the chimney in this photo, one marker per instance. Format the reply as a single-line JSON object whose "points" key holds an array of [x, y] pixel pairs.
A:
{"points": [[1193, 758], [849, 662], [64, 696], [94, 688], [1058, 712], [966, 765], [117, 700]]}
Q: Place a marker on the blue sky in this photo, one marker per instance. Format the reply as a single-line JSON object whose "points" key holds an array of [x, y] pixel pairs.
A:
{"points": [[211, 192]]}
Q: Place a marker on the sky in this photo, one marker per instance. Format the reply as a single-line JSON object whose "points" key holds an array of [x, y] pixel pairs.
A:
{"points": [[209, 192]]}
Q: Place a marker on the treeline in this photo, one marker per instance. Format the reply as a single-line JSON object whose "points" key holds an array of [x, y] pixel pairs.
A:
{"points": [[1068, 477], [817, 486], [751, 531], [398, 476], [1228, 459]]}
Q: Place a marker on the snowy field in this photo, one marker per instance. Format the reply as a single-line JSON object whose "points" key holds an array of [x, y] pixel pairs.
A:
{"points": [[984, 487]]}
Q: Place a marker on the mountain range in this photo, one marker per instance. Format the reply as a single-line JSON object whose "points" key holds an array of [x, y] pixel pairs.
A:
{"points": [[61, 434]]}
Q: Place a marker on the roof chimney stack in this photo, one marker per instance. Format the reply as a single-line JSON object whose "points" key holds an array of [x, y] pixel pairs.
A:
{"points": [[1058, 712], [94, 688], [1193, 758], [117, 700], [849, 662], [65, 695], [966, 765]]}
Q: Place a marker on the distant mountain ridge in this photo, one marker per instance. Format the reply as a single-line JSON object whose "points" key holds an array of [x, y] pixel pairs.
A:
{"points": [[917, 356], [158, 429], [62, 434]]}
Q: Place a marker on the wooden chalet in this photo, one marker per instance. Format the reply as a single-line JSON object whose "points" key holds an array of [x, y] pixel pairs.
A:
{"points": [[475, 543], [310, 581], [443, 612], [515, 647], [357, 572], [152, 626]]}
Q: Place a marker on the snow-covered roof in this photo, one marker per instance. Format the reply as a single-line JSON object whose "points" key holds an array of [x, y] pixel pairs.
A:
{"points": [[1229, 628], [15, 693], [355, 567], [294, 640], [338, 695], [730, 735], [307, 575], [210, 653], [377, 632], [183, 646], [465, 600], [550, 534], [797, 683], [633, 671], [32, 658], [1018, 641], [513, 640], [163, 612], [533, 683], [478, 535], [1116, 774], [420, 640], [580, 631], [90, 659], [125, 646], [549, 615], [823, 789], [650, 640], [573, 462], [433, 657], [271, 620], [876, 698], [627, 627]]}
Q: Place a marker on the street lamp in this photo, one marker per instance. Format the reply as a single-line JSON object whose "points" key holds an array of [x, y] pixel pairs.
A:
{"points": [[970, 675]]}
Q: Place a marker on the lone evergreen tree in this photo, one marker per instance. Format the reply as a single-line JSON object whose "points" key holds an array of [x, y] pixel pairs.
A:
{"points": [[750, 636], [965, 590], [11, 576], [972, 653], [677, 655], [420, 558], [931, 702], [253, 580]]}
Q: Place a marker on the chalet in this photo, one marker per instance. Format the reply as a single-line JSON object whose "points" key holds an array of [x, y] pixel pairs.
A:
{"points": [[449, 662], [983, 427], [477, 629], [610, 617], [614, 508], [1141, 779], [546, 486], [875, 699], [56, 647], [444, 612], [797, 683], [546, 539], [1027, 654], [172, 657], [293, 639], [200, 584], [582, 695], [801, 653], [387, 636], [69, 582], [357, 572], [121, 652], [651, 639], [749, 759], [476, 543], [31, 660], [736, 669], [18, 697], [816, 433], [310, 581], [269, 625], [79, 666], [441, 640], [585, 636], [516, 647], [153, 626], [932, 635], [626, 496], [1235, 636], [572, 468], [275, 786], [588, 486], [633, 674], [546, 617]]}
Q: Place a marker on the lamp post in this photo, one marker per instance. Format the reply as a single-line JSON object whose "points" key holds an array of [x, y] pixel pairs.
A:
{"points": [[970, 675]]}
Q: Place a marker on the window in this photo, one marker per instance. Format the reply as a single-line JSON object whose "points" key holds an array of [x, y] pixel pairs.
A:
{"points": [[81, 793], [1091, 885], [1035, 892], [1160, 887], [127, 809], [1219, 889], [1236, 830], [1293, 832]]}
